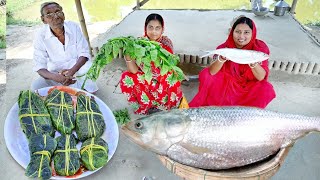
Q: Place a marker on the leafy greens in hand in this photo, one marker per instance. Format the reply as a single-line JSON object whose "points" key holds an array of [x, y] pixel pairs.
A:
{"points": [[142, 50]]}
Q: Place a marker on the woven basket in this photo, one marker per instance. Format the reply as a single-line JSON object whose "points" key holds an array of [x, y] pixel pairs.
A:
{"points": [[259, 171]]}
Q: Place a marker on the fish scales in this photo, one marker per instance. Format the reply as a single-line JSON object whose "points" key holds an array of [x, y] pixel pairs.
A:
{"points": [[218, 155], [222, 138]]}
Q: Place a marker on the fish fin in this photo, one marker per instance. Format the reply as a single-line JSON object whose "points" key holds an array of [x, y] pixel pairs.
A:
{"points": [[209, 53], [194, 149], [205, 51], [286, 144]]}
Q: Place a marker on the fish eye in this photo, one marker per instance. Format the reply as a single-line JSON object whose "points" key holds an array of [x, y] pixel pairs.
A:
{"points": [[138, 125]]}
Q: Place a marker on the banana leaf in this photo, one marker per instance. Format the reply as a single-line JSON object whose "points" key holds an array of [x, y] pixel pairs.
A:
{"points": [[66, 157], [41, 148], [61, 110], [89, 119], [33, 114], [94, 153]]}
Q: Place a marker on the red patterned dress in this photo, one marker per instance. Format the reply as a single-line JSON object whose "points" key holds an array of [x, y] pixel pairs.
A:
{"points": [[162, 93]]}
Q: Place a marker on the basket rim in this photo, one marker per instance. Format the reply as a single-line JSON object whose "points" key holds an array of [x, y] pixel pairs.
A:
{"points": [[269, 167]]}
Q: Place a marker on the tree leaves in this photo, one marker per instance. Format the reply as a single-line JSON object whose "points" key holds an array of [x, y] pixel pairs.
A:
{"points": [[140, 49]]}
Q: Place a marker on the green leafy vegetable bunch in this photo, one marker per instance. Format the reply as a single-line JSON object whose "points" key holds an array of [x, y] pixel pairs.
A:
{"points": [[143, 51]]}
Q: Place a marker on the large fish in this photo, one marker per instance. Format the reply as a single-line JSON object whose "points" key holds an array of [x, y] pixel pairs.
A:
{"points": [[239, 56], [219, 137]]}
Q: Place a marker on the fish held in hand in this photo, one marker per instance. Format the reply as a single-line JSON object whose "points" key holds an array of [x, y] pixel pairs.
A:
{"points": [[219, 137], [239, 56]]}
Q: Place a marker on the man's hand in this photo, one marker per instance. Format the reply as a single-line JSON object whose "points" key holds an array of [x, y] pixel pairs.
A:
{"points": [[64, 80], [69, 81], [59, 78], [68, 77], [67, 72], [65, 76]]}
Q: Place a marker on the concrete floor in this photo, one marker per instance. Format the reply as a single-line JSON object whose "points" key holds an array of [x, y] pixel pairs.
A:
{"points": [[298, 94], [193, 32]]}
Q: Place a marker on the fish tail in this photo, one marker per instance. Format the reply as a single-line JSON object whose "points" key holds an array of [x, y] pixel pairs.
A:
{"points": [[315, 124], [208, 53], [318, 123]]}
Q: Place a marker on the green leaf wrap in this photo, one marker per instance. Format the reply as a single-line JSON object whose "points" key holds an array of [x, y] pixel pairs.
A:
{"points": [[94, 153], [66, 157], [89, 119], [33, 115], [61, 110], [41, 149]]}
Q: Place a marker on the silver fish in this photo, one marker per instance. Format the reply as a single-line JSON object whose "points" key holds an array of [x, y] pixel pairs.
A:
{"points": [[219, 137], [239, 56]]}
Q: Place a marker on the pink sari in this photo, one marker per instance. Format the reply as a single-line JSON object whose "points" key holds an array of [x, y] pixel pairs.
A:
{"points": [[235, 84]]}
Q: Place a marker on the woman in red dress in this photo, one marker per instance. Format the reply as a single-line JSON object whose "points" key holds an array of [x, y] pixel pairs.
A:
{"points": [[226, 83], [162, 93]]}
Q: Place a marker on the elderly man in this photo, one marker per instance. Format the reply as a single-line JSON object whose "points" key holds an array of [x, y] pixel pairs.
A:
{"points": [[61, 53]]}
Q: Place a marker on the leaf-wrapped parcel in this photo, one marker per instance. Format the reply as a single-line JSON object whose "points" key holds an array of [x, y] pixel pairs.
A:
{"points": [[94, 153], [89, 119], [66, 157], [33, 114], [41, 149], [61, 110]]}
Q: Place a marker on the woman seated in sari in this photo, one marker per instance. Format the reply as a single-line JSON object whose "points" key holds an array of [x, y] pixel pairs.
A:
{"points": [[160, 94], [226, 83]]}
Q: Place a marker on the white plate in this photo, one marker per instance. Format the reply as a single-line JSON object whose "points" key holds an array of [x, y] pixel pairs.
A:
{"points": [[17, 143]]}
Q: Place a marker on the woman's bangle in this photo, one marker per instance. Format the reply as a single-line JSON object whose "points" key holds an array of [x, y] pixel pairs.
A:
{"points": [[127, 60], [220, 60], [253, 65]]}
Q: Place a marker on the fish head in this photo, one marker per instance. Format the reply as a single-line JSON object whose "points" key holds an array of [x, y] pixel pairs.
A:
{"points": [[158, 132]]}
